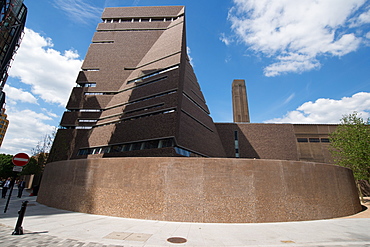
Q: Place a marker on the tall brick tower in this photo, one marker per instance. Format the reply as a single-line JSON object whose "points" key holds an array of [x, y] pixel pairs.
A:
{"points": [[137, 94], [240, 102], [13, 15]]}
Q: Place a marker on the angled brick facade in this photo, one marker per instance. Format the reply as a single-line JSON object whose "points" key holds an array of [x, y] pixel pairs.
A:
{"points": [[137, 93]]}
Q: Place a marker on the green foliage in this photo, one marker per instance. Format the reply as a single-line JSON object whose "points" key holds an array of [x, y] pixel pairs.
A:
{"points": [[32, 167], [6, 165], [350, 145]]}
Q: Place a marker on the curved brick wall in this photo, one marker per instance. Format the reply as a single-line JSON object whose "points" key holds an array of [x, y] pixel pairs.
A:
{"points": [[201, 189]]}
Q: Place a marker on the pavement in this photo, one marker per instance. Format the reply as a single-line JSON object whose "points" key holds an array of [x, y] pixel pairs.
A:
{"points": [[46, 226]]}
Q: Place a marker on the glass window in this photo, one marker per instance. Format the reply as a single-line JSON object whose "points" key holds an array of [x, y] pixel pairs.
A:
{"points": [[182, 152], [236, 144], [83, 127], [325, 140], [166, 143], [314, 139], [82, 152], [126, 147], [151, 144], [302, 140], [106, 149], [136, 146], [90, 110], [157, 19], [116, 149], [87, 120]]}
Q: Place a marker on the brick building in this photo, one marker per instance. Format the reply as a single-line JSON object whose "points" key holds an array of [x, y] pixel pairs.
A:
{"points": [[137, 95], [4, 122], [12, 20]]}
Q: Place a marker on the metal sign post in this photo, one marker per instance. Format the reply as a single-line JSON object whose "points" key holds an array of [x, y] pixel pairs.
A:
{"points": [[19, 160]]}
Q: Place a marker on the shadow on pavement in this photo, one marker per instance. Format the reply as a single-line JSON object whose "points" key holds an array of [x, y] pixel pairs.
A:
{"points": [[33, 208]]}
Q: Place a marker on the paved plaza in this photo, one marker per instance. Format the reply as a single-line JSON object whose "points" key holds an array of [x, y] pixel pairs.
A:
{"points": [[45, 226]]}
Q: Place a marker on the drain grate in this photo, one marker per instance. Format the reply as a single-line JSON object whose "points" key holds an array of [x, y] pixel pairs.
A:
{"points": [[176, 240]]}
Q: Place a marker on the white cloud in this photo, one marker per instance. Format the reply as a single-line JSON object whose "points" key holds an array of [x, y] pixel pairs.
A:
{"points": [[78, 10], [328, 110], [291, 96], [190, 58], [49, 113], [367, 35], [50, 73], [226, 40], [363, 18], [16, 94], [291, 64], [297, 33], [25, 129]]}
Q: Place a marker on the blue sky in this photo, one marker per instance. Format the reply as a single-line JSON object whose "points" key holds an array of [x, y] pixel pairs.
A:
{"points": [[303, 61]]}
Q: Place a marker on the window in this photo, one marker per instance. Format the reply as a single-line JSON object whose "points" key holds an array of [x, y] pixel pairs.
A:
{"points": [[302, 140], [182, 152], [103, 42], [170, 111], [151, 144], [157, 19], [82, 152], [116, 149], [126, 147], [153, 74], [145, 108], [325, 140], [136, 146], [236, 143], [90, 110], [90, 69], [165, 143], [88, 93], [83, 127], [86, 85], [87, 120], [97, 150], [106, 149], [235, 135], [314, 139]]}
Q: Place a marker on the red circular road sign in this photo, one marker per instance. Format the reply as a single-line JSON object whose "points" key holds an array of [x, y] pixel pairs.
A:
{"points": [[20, 159]]}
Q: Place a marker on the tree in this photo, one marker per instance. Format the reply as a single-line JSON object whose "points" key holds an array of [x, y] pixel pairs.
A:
{"points": [[350, 145], [6, 165], [41, 151], [32, 167], [39, 157]]}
